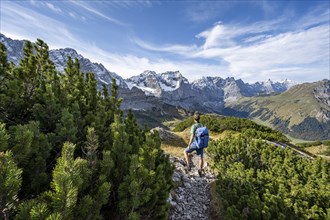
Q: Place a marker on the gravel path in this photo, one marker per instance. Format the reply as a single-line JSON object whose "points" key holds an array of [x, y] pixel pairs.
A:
{"points": [[191, 198]]}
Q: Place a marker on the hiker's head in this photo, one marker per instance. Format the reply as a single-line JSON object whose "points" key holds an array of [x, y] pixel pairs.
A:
{"points": [[196, 116]]}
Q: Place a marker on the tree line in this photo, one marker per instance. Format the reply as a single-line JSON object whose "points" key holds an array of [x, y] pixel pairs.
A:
{"points": [[66, 149]]}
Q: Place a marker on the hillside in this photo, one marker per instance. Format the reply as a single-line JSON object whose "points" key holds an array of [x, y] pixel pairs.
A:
{"points": [[257, 179], [302, 112]]}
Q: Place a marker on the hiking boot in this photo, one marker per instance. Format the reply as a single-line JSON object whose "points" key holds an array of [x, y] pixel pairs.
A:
{"points": [[200, 172]]}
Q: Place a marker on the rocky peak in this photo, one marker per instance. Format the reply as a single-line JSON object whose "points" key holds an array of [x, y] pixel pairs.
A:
{"points": [[148, 82], [170, 87], [102, 75], [156, 84], [64, 53], [207, 82], [170, 81], [170, 77], [148, 73], [14, 48], [322, 94]]}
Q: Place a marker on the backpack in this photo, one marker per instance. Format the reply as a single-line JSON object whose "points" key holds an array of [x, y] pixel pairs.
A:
{"points": [[202, 137]]}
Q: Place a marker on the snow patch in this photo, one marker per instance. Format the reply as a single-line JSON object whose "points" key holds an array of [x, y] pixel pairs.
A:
{"points": [[103, 81]]}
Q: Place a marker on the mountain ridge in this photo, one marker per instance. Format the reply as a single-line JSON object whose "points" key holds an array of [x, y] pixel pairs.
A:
{"points": [[166, 95], [303, 109], [103, 75]]}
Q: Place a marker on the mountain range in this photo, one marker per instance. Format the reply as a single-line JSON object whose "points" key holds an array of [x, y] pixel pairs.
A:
{"points": [[158, 96], [207, 94]]}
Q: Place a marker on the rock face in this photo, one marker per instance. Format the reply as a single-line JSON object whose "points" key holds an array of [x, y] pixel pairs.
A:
{"points": [[190, 199], [14, 48], [102, 75], [322, 92], [168, 137]]}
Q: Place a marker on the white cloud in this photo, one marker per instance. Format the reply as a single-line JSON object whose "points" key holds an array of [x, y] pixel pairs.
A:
{"points": [[201, 11], [184, 50], [134, 4], [130, 65], [257, 38], [218, 36], [73, 15], [53, 7], [19, 21], [265, 49], [308, 49]]}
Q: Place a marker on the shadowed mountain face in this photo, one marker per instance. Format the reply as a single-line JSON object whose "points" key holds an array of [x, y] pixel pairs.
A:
{"points": [[158, 96]]}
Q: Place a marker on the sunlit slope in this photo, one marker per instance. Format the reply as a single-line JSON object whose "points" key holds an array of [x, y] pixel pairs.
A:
{"points": [[220, 127], [299, 111]]}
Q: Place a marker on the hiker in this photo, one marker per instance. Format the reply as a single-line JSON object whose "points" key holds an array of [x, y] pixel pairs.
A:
{"points": [[193, 145]]}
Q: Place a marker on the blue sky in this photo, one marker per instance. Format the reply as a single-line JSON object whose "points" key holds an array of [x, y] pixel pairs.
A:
{"points": [[251, 40]]}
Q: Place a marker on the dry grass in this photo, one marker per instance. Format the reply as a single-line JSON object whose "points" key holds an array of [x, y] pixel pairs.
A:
{"points": [[171, 124], [176, 148], [173, 150], [318, 150], [297, 140]]}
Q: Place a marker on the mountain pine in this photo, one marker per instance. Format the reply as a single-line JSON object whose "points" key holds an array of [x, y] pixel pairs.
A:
{"points": [[10, 184], [73, 153]]}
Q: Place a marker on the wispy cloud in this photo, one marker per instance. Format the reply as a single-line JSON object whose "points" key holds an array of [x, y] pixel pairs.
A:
{"points": [[183, 50], [134, 4], [256, 38], [19, 21], [202, 11], [76, 16], [53, 7], [87, 7]]}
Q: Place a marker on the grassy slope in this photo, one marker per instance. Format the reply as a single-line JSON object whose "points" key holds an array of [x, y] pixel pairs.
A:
{"points": [[318, 150], [176, 147], [294, 105]]}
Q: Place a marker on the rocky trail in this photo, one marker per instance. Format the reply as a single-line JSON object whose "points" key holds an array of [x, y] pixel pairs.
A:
{"points": [[190, 199]]}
